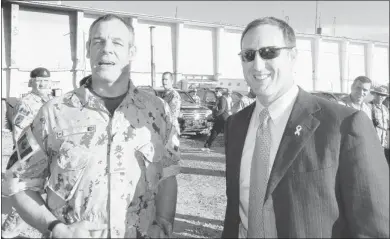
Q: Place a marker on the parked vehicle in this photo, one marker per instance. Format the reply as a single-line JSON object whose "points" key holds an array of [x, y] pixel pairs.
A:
{"points": [[208, 97], [193, 118]]}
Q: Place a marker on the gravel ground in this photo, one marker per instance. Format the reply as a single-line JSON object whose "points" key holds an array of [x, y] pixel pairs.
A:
{"points": [[201, 193]]}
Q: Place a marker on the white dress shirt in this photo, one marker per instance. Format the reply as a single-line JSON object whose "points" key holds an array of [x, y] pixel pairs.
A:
{"points": [[279, 111]]}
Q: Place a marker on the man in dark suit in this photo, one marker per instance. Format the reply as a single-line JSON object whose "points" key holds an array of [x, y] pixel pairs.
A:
{"points": [[297, 165], [220, 114]]}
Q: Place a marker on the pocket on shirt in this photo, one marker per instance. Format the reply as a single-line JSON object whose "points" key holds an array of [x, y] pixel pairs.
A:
{"points": [[67, 169]]}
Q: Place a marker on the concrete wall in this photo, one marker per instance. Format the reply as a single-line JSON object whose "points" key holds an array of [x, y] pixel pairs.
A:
{"points": [[54, 37]]}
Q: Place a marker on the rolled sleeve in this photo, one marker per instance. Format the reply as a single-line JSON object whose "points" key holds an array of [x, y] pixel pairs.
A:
{"points": [[27, 168]]}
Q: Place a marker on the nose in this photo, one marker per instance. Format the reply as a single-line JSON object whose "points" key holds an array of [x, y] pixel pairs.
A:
{"points": [[258, 62], [108, 46]]}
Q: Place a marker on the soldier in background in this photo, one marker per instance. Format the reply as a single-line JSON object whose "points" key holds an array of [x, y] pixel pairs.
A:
{"points": [[25, 112], [196, 97], [172, 97], [359, 90], [380, 116]]}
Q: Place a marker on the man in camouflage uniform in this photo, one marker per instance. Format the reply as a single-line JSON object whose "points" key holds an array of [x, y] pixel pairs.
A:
{"points": [[25, 111], [380, 116], [359, 90], [172, 97], [106, 153]]}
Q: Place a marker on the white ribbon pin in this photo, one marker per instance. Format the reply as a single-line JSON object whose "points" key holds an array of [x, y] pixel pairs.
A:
{"points": [[298, 130]]}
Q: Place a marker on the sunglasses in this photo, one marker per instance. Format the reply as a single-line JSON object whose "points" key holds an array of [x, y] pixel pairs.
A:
{"points": [[266, 53]]}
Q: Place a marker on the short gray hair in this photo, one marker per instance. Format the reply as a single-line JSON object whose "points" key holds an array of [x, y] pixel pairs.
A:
{"points": [[288, 32], [109, 17]]}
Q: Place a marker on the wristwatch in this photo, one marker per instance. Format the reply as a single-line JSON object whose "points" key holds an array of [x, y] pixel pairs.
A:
{"points": [[51, 227]]}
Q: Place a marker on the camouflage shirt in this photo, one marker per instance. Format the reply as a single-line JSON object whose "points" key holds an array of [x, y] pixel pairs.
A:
{"points": [[380, 114], [363, 107], [25, 112], [95, 167], [172, 97]]}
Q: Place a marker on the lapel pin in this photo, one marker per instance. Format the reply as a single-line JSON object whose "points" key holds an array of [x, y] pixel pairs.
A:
{"points": [[298, 130]]}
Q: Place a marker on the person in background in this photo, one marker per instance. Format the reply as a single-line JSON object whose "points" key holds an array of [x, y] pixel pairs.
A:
{"points": [[229, 101], [196, 97], [299, 166], [172, 97], [220, 114], [360, 89], [27, 108], [245, 101], [106, 153], [380, 116]]}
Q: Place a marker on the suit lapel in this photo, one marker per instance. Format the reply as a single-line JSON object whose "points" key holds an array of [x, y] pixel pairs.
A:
{"points": [[240, 131], [300, 127]]}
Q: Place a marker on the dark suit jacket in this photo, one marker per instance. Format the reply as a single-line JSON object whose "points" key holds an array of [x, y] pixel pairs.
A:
{"points": [[331, 180], [221, 109]]}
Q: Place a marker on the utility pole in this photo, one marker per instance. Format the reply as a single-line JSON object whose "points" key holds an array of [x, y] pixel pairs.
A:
{"points": [[315, 24], [176, 12], [152, 64]]}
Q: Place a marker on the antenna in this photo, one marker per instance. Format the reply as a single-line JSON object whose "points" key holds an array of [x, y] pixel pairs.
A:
{"points": [[334, 26], [176, 12]]}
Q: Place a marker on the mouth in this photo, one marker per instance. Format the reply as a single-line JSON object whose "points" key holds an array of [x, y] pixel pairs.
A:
{"points": [[106, 63], [262, 77]]}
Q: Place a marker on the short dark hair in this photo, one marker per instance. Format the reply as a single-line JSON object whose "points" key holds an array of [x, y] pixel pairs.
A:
{"points": [[167, 73], [109, 17], [363, 79], [288, 32]]}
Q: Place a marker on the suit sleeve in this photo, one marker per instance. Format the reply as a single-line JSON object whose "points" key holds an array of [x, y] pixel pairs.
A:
{"points": [[364, 180]]}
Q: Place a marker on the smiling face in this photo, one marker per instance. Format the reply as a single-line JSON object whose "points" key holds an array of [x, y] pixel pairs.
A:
{"points": [[268, 79], [110, 50], [359, 91]]}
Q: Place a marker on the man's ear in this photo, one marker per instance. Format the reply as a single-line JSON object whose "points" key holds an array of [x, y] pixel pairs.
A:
{"points": [[88, 50], [132, 52], [293, 54]]}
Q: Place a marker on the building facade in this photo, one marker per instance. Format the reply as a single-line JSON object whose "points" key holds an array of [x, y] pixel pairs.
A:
{"points": [[53, 35]]}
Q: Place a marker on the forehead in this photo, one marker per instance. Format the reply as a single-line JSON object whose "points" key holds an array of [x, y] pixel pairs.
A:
{"points": [[112, 28], [363, 85], [263, 36]]}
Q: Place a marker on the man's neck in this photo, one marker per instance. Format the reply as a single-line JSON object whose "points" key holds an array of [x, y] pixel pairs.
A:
{"points": [[355, 103], [106, 89]]}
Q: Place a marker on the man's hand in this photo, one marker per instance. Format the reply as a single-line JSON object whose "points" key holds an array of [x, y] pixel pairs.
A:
{"points": [[81, 229]]}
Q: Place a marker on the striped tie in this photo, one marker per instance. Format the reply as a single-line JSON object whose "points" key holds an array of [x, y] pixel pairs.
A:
{"points": [[259, 177]]}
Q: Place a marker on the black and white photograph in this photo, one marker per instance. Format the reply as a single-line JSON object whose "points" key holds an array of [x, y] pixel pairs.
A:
{"points": [[195, 119]]}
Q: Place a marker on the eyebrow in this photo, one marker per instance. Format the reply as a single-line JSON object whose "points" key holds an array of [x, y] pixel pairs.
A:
{"points": [[114, 38]]}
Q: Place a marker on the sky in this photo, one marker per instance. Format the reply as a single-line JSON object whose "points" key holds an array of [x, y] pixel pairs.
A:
{"points": [[353, 19]]}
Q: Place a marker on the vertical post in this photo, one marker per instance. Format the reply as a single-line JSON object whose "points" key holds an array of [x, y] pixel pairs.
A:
{"points": [[344, 66], [315, 51], [80, 51], [369, 56], [177, 66], [218, 52], [15, 87], [153, 66]]}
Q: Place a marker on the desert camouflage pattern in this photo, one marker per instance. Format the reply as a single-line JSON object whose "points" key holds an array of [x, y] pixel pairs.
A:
{"points": [[95, 167]]}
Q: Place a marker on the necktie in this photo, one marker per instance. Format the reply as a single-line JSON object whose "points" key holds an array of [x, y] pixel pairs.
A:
{"points": [[259, 177]]}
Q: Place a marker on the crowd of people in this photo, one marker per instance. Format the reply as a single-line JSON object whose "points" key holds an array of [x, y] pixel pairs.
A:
{"points": [[101, 161]]}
